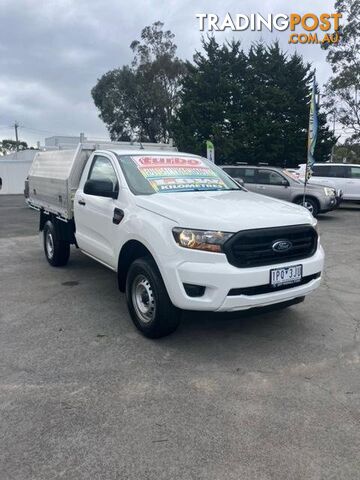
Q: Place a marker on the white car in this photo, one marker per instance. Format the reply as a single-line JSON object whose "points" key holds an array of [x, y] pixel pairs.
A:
{"points": [[341, 176], [179, 232]]}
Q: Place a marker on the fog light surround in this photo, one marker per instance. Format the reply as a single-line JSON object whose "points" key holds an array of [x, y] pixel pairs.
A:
{"points": [[194, 290]]}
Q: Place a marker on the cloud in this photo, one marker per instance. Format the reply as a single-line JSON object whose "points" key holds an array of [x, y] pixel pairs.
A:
{"points": [[52, 52]]}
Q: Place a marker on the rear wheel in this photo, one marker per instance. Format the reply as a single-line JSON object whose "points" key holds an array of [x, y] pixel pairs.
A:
{"points": [[310, 204], [148, 301], [57, 251]]}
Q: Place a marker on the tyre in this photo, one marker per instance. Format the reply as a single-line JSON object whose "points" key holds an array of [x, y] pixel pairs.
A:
{"points": [[148, 301], [310, 204], [57, 251]]}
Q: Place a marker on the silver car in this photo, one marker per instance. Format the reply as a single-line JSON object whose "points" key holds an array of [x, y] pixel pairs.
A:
{"points": [[279, 183]]}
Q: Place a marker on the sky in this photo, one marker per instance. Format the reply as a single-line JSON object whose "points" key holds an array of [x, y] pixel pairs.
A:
{"points": [[52, 53]]}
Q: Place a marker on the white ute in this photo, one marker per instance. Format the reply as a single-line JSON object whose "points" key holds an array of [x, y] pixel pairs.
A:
{"points": [[179, 232]]}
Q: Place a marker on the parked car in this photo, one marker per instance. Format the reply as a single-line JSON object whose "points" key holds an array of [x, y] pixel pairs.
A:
{"points": [[338, 191], [342, 176], [179, 232], [279, 183], [294, 171]]}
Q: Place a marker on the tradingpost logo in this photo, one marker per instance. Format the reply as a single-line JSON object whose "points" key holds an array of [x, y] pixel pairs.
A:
{"points": [[304, 29]]}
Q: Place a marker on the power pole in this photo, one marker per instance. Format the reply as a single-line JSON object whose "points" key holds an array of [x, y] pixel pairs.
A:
{"points": [[16, 126]]}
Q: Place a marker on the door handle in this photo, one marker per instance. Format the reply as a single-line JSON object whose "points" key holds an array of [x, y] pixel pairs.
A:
{"points": [[81, 202]]}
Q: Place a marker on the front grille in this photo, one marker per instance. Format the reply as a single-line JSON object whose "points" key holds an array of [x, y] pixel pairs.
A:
{"points": [[260, 289], [253, 248]]}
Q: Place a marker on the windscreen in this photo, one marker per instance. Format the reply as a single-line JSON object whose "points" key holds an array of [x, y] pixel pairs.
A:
{"points": [[150, 174]]}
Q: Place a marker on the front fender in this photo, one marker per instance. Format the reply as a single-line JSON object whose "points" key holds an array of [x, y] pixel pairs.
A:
{"points": [[150, 229]]}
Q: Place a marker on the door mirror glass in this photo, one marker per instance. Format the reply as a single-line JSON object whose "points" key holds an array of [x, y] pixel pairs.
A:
{"points": [[100, 188]]}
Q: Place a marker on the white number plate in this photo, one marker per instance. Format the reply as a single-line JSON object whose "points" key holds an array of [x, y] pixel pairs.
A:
{"points": [[285, 275]]}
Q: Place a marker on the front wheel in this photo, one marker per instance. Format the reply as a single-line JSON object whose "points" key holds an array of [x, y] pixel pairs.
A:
{"points": [[57, 251], [310, 204], [148, 301]]}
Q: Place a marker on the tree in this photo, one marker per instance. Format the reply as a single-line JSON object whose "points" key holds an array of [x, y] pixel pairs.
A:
{"points": [[138, 101], [343, 96], [254, 106], [347, 152], [9, 146], [212, 100]]}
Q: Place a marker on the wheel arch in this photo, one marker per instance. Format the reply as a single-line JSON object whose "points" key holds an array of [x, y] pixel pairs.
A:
{"points": [[130, 251], [65, 230], [311, 197]]}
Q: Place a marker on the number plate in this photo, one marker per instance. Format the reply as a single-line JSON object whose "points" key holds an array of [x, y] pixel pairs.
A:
{"points": [[285, 275]]}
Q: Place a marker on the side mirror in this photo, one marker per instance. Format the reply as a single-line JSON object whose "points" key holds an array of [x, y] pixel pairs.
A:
{"points": [[100, 188], [284, 183], [240, 181]]}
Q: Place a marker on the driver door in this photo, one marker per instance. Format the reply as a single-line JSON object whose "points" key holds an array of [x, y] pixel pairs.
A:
{"points": [[353, 183], [95, 230]]}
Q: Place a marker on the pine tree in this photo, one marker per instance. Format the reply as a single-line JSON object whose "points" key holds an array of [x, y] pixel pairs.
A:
{"points": [[254, 106], [212, 100]]}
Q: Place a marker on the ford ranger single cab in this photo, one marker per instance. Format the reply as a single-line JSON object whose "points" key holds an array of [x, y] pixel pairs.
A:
{"points": [[179, 232]]}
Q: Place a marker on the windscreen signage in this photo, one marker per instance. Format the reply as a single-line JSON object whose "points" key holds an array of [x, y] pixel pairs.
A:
{"points": [[178, 174]]}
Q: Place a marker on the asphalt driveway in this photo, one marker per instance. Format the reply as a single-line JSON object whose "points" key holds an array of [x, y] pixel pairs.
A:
{"points": [[84, 396]]}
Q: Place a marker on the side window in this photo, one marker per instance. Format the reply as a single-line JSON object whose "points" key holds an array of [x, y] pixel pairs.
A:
{"points": [[321, 171], [247, 174], [263, 177], [238, 173], [269, 177], [355, 172], [276, 179], [102, 169], [339, 171]]}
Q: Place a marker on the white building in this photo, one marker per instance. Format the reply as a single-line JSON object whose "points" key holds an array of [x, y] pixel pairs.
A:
{"points": [[64, 142], [14, 167]]}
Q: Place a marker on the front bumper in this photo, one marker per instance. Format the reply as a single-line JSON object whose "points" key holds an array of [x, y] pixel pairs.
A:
{"points": [[328, 203], [339, 197], [219, 277]]}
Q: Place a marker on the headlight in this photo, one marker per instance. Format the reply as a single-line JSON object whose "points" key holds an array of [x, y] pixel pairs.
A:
{"points": [[208, 240], [329, 191]]}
